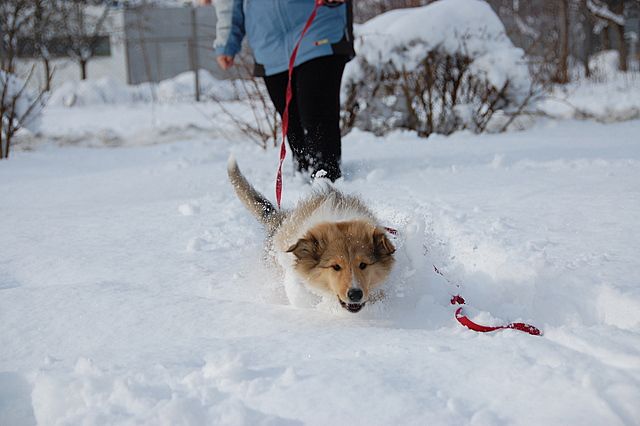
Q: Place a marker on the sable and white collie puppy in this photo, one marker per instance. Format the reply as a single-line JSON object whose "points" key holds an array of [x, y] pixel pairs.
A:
{"points": [[330, 241]]}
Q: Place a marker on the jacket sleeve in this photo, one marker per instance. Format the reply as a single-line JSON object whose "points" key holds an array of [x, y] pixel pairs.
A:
{"points": [[229, 27]]}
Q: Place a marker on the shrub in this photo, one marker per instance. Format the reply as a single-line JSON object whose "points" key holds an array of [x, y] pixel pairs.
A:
{"points": [[435, 69], [20, 108]]}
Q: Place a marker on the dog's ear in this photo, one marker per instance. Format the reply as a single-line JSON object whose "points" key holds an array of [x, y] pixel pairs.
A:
{"points": [[381, 244], [307, 248]]}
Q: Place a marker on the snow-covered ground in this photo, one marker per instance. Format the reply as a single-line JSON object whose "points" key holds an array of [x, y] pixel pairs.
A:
{"points": [[132, 289], [607, 96]]}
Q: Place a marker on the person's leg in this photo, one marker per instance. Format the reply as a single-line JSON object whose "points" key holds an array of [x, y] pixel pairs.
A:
{"points": [[277, 88], [318, 96]]}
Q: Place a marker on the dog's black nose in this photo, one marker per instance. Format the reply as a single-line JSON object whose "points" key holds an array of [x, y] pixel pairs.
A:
{"points": [[354, 294]]}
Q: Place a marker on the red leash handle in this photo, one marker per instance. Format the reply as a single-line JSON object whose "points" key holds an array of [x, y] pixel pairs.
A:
{"points": [[288, 96], [465, 321]]}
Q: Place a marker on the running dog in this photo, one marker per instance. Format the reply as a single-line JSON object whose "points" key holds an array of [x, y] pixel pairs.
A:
{"points": [[330, 241]]}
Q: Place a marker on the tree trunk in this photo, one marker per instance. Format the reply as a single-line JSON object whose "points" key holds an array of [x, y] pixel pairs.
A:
{"points": [[606, 38], [47, 74], [563, 61], [7, 147], [618, 9], [622, 48], [3, 95], [83, 70], [588, 38]]}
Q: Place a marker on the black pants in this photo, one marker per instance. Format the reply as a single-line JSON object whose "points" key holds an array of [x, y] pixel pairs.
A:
{"points": [[314, 112]]}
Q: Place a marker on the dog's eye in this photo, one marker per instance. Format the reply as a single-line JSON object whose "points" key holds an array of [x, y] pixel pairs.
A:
{"points": [[336, 267], [363, 265]]}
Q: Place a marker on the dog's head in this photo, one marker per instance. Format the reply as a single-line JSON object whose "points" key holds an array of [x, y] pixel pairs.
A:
{"points": [[348, 259]]}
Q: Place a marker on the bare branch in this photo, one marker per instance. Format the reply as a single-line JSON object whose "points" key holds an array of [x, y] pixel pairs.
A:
{"points": [[602, 11]]}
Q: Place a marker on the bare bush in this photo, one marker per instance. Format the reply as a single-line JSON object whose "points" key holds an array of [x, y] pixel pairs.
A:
{"points": [[442, 95], [19, 107], [262, 126]]}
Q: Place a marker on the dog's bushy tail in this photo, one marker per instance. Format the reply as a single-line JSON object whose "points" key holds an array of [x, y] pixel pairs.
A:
{"points": [[256, 203]]}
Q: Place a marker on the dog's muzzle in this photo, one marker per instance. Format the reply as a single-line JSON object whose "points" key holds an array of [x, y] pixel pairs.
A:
{"points": [[352, 307]]}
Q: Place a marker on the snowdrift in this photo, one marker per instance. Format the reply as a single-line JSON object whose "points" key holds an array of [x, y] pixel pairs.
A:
{"points": [[609, 95], [108, 91]]}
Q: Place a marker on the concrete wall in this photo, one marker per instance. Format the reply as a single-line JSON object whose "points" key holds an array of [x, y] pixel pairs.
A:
{"points": [[163, 42]]}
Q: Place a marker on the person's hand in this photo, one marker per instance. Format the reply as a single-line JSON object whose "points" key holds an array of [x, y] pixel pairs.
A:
{"points": [[225, 61]]}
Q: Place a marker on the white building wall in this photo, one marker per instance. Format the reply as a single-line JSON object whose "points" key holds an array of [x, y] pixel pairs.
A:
{"points": [[152, 46], [65, 69]]}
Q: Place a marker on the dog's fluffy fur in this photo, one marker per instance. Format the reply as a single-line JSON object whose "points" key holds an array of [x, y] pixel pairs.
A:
{"points": [[332, 242]]}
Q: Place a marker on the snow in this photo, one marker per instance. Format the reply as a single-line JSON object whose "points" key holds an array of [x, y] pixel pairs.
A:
{"points": [[133, 291], [608, 96], [403, 37], [109, 91]]}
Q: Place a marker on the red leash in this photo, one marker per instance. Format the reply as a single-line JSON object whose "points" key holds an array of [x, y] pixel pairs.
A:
{"points": [[289, 95], [465, 321]]}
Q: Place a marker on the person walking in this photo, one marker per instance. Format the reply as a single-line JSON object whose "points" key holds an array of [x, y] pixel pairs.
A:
{"points": [[273, 27]]}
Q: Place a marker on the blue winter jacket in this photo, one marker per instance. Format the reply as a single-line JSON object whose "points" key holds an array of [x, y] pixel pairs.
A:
{"points": [[273, 28]]}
